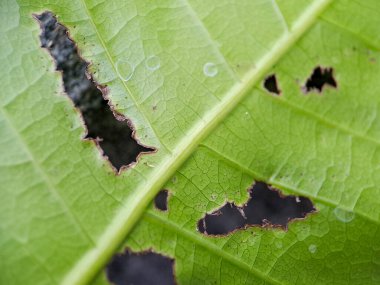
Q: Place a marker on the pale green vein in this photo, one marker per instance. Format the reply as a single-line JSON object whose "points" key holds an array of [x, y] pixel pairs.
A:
{"points": [[366, 41], [209, 246], [322, 120], [54, 192], [137, 105], [280, 15], [258, 176], [135, 205], [217, 51]]}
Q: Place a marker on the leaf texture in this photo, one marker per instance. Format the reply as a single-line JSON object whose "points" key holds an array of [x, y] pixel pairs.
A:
{"points": [[63, 211]]}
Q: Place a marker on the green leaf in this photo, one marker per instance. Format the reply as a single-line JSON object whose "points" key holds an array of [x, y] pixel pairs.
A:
{"points": [[64, 213]]}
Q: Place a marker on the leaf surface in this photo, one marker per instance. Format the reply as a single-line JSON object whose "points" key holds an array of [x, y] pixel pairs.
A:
{"points": [[63, 211]]}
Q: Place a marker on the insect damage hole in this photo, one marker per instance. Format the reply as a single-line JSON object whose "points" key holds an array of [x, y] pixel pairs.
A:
{"points": [[140, 268], [223, 221], [112, 132], [161, 200], [320, 77], [270, 84], [266, 207]]}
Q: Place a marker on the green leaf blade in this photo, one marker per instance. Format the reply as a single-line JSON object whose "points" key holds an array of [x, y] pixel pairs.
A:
{"points": [[303, 144]]}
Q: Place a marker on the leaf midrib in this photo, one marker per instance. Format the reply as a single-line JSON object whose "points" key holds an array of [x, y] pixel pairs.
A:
{"points": [[94, 260]]}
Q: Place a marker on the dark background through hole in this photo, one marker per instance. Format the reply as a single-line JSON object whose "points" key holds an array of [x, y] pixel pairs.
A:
{"points": [[114, 136], [121, 147]]}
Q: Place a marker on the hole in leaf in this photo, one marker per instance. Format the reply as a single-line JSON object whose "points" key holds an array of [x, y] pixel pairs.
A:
{"points": [[270, 84], [223, 221], [140, 268], [320, 77], [161, 200], [266, 207], [112, 132]]}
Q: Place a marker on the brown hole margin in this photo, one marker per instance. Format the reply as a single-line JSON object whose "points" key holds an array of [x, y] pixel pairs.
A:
{"points": [[266, 208], [271, 84], [161, 200], [320, 78], [118, 157]]}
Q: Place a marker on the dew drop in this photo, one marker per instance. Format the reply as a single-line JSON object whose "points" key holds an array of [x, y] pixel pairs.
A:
{"points": [[124, 69], [343, 215], [210, 69], [149, 165], [312, 248], [214, 196], [153, 63]]}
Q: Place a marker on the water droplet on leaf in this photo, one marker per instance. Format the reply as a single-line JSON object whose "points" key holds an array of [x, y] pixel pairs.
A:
{"points": [[149, 165], [210, 69], [124, 69], [312, 248], [343, 215], [152, 63]]}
